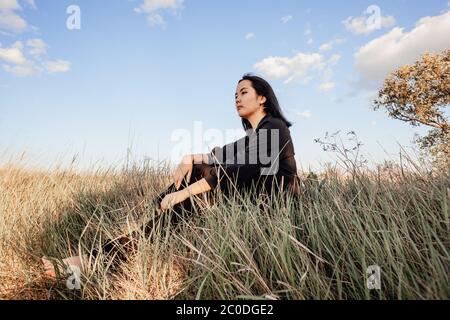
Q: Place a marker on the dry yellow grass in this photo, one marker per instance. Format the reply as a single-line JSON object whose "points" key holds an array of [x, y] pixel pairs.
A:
{"points": [[28, 198], [393, 216]]}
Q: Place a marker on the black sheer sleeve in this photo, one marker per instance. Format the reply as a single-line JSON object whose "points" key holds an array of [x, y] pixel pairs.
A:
{"points": [[227, 153], [254, 155]]}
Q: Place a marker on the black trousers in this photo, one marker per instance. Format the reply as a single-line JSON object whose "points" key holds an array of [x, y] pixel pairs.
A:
{"points": [[199, 171], [180, 211]]}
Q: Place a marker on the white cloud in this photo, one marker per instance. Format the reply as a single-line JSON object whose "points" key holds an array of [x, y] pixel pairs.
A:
{"points": [[297, 67], [249, 35], [13, 54], [326, 46], [9, 5], [10, 21], [19, 65], [388, 52], [330, 44], [57, 66], [16, 61], [327, 74], [334, 59], [37, 47], [310, 41], [155, 19], [154, 7], [286, 19], [301, 67], [326, 86], [32, 3], [25, 70], [364, 25], [304, 114], [308, 30]]}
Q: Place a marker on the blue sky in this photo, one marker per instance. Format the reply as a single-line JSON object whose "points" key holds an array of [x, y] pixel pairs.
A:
{"points": [[138, 73]]}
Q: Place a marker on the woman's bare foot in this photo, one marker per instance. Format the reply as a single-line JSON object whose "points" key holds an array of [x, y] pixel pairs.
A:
{"points": [[50, 268]]}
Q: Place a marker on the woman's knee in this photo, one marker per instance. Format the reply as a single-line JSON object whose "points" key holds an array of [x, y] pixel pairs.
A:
{"points": [[201, 171]]}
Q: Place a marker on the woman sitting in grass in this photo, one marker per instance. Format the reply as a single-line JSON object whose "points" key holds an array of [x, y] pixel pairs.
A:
{"points": [[261, 162]]}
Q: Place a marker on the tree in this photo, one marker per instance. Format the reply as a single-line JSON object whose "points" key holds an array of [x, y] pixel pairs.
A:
{"points": [[419, 95]]}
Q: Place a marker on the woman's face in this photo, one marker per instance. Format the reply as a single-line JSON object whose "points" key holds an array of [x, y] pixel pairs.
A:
{"points": [[247, 100]]}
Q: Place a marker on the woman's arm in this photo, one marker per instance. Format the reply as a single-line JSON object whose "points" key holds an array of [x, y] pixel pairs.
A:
{"points": [[195, 158], [185, 168], [179, 196], [196, 188]]}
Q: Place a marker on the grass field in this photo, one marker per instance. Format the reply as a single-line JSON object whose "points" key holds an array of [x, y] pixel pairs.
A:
{"points": [[315, 247]]}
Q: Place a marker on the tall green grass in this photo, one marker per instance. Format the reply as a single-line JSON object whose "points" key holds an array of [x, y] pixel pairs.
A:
{"points": [[247, 246]]}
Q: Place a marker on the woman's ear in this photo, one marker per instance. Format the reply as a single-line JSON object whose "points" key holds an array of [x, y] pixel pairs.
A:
{"points": [[262, 100]]}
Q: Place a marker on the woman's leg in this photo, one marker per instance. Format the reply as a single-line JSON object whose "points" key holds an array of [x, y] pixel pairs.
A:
{"points": [[199, 171], [49, 266], [124, 244], [120, 246]]}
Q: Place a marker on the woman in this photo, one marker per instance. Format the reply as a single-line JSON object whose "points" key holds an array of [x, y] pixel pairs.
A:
{"points": [[258, 107], [262, 161]]}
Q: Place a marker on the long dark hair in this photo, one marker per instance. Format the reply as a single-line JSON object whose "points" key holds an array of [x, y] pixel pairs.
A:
{"points": [[271, 106]]}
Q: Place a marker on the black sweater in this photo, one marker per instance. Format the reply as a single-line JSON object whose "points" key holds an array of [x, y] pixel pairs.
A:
{"points": [[261, 156]]}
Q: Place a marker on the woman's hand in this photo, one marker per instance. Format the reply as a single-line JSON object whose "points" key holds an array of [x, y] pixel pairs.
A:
{"points": [[173, 198], [185, 167]]}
